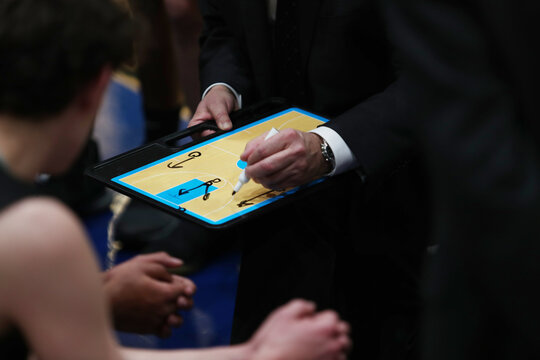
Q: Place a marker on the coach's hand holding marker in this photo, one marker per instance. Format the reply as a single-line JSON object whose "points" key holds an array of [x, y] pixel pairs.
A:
{"points": [[243, 178]]}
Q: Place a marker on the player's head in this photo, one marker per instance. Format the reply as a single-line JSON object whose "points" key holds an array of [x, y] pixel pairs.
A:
{"points": [[50, 50]]}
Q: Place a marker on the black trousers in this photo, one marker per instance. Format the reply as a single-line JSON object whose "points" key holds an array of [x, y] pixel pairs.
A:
{"points": [[347, 248]]}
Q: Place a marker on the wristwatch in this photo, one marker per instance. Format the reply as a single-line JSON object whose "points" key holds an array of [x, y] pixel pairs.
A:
{"points": [[328, 156]]}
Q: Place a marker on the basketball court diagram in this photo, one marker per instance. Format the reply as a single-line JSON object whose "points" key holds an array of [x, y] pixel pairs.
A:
{"points": [[199, 180]]}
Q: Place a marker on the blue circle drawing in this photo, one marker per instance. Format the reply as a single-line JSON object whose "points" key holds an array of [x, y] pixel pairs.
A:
{"points": [[241, 164]]}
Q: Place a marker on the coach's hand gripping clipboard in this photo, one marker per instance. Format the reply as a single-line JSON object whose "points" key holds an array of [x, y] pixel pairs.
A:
{"points": [[195, 180]]}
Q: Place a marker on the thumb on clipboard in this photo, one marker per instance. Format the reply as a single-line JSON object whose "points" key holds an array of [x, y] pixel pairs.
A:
{"points": [[217, 103]]}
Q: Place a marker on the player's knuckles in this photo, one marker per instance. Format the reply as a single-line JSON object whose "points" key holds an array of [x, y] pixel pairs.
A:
{"points": [[172, 291], [344, 327], [189, 289], [181, 302], [297, 307], [346, 342], [335, 346], [158, 271], [184, 302], [140, 257], [175, 320], [159, 292], [166, 309], [160, 257], [188, 286], [325, 325], [328, 320]]}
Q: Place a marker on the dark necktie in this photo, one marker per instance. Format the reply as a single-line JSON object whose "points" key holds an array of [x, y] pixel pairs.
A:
{"points": [[287, 47]]}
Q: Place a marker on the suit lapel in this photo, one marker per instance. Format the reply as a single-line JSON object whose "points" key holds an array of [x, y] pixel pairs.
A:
{"points": [[254, 15]]}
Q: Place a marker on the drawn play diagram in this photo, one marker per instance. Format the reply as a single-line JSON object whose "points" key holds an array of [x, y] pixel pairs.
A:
{"points": [[199, 180]]}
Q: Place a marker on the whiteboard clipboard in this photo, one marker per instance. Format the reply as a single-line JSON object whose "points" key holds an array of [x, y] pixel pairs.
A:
{"points": [[196, 180]]}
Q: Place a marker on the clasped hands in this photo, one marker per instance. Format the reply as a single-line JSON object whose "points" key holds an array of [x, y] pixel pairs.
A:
{"points": [[145, 297]]}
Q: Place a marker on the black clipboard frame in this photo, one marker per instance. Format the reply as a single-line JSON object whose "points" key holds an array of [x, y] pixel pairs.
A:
{"points": [[105, 171]]}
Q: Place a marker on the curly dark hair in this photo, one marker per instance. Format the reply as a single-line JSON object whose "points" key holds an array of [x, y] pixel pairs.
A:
{"points": [[51, 49]]}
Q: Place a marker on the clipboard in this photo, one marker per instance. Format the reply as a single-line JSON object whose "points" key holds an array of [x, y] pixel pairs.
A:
{"points": [[195, 180]]}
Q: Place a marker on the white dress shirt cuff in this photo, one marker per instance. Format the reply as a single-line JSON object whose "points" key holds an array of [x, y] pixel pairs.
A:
{"points": [[236, 94], [345, 159]]}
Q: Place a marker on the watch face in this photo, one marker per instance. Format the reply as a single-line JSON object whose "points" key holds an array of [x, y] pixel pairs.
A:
{"points": [[328, 155], [330, 152]]}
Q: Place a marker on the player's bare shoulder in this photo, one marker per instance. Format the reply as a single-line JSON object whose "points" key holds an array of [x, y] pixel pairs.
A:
{"points": [[37, 222]]}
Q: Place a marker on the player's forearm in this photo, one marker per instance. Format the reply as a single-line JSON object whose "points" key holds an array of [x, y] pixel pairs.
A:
{"points": [[237, 352]]}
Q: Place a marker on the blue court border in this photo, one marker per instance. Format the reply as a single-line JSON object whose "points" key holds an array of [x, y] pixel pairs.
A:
{"points": [[118, 179]]}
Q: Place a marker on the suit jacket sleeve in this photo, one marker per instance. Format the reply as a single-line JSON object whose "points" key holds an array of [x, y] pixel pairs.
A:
{"points": [[378, 130], [222, 58]]}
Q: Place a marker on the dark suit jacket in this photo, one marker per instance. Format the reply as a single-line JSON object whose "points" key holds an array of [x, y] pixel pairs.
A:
{"points": [[475, 65], [348, 75], [345, 60]]}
